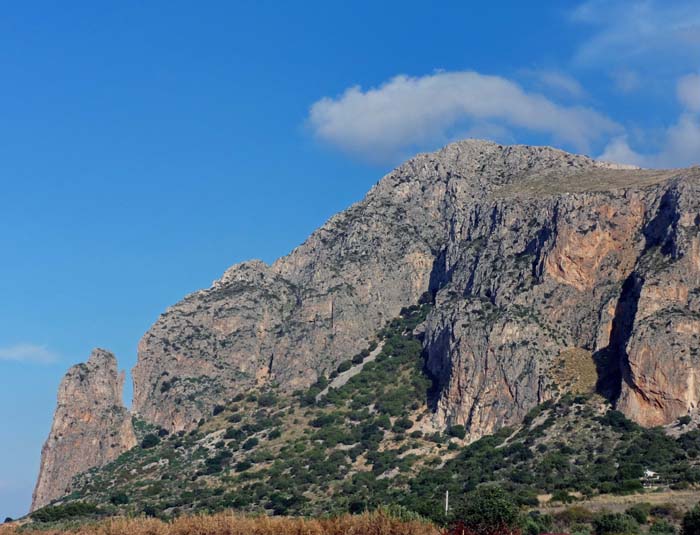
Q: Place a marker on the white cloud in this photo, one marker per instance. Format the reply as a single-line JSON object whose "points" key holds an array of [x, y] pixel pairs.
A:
{"points": [[627, 31], [688, 90], [681, 140], [619, 151], [561, 83], [27, 353], [409, 112]]}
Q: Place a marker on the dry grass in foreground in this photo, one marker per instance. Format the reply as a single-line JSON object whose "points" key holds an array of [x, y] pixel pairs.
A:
{"points": [[229, 524]]}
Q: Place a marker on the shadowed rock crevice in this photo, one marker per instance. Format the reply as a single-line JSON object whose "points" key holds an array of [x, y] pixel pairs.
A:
{"points": [[612, 363], [661, 229]]}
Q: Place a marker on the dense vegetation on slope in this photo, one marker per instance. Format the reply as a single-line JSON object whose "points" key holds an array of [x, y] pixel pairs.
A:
{"points": [[371, 442]]}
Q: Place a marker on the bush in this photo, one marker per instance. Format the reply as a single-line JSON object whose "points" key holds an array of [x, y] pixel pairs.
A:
{"points": [[402, 424], [562, 496], [267, 399], [691, 522], [640, 512], [218, 409], [242, 466], [119, 499], [457, 431], [662, 527], [63, 512], [8, 520], [615, 524], [487, 510], [233, 433], [150, 441], [344, 366], [250, 443], [536, 523]]}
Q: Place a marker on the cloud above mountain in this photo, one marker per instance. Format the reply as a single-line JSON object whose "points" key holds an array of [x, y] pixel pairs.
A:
{"points": [[680, 142], [381, 123]]}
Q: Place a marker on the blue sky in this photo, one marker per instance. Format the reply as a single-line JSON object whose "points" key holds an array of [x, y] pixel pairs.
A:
{"points": [[146, 147]]}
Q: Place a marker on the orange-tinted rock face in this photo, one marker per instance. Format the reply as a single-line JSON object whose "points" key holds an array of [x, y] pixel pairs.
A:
{"points": [[91, 426], [662, 352]]}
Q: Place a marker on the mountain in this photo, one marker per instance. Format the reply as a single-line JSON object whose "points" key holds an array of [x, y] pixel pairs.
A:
{"points": [[532, 259]]}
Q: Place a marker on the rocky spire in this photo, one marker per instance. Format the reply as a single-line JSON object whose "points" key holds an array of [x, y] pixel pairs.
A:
{"points": [[90, 427]]}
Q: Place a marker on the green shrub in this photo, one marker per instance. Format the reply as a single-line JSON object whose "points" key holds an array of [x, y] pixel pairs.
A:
{"points": [[402, 424], [120, 498], [457, 431], [535, 523], [267, 399], [487, 508], [250, 443], [63, 512], [640, 512], [615, 524], [562, 496], [242, 466], [344, 366], [150, 441], [662, 527]]}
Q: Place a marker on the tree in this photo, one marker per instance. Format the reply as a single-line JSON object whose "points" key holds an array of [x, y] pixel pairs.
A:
{"points": [[119, 499], [8, 520], [488, 510], [691, 522], [457, 431], [615, 524], [640, 512], [150, 441], [250, 443]]}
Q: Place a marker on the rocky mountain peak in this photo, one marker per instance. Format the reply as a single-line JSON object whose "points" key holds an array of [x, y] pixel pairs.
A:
{"points": [[90, 427]]}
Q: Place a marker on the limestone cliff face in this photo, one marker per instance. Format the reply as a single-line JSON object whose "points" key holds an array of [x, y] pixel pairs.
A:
{"points": [[91, 426], [528, 251], [608, 270]]}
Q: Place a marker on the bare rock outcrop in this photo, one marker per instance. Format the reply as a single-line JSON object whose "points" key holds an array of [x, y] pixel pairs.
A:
{"points": [[90, 427], [528, 253]]}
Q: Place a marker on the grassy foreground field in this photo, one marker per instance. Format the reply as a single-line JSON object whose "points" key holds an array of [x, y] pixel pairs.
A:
{"points": [[375, 523]]}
